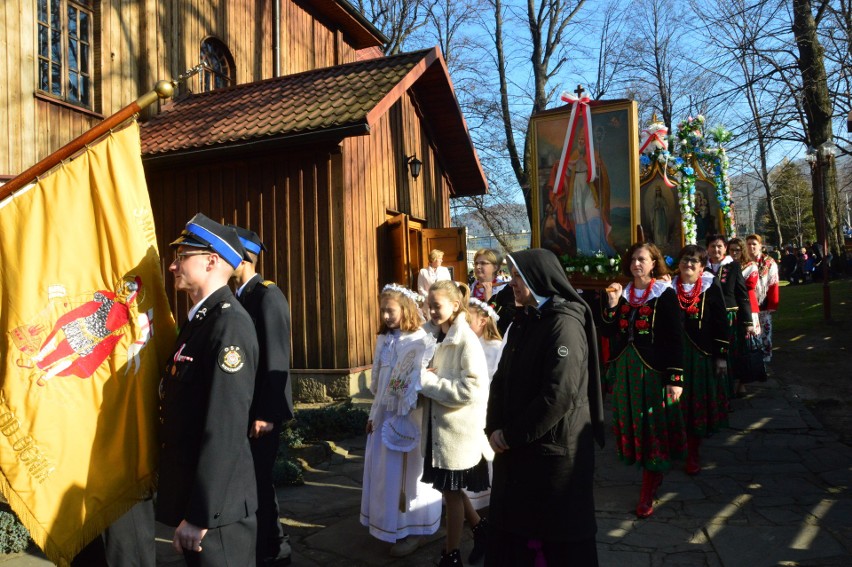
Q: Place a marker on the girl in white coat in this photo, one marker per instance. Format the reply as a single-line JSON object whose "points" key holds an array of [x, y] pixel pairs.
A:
{"points": [[454, 443], [394, 505]]}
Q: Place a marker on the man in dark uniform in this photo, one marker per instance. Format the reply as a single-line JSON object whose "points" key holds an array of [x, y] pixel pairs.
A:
{"points": [[273, 399], [206, 484]]}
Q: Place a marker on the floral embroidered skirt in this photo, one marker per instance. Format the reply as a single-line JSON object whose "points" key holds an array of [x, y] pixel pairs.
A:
{"points": [[649, 428], [705, 399]]}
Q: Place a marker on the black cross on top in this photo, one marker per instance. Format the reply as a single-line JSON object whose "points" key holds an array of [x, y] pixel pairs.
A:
{"points": [[580, 90]]}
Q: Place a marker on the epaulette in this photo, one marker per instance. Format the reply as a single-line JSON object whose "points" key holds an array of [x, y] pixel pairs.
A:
{"points": [[267, 283]]}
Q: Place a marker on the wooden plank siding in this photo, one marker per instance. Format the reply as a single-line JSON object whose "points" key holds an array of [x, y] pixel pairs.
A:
{"points": [[136, 43], [288, 199], [376, 181]]}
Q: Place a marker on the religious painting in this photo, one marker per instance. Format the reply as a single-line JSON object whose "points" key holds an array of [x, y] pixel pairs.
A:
{"points": [[576, 215], [708, 213], [659, 209]]}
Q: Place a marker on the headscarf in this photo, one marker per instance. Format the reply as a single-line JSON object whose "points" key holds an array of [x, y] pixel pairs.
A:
{"points": [[544, 276]]}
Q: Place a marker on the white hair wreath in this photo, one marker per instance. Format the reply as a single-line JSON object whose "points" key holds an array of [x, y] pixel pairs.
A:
{"points": [[485, 307], [415, 297]]}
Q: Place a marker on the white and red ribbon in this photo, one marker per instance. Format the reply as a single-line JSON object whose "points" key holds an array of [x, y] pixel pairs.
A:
{"points": [[581, 103], [658, 136]]}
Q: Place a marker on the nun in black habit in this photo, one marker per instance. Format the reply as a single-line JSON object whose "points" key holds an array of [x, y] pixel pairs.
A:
{"points": [[545, 412]]}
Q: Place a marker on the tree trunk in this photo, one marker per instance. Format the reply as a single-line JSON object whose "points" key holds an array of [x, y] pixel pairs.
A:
{"points": [[817, 106]]}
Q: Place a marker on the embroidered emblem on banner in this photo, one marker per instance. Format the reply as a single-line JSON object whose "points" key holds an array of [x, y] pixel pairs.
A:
{"points": [[562, 351], [231, 359]]}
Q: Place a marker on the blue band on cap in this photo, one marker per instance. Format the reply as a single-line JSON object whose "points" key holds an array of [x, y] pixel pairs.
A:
{"points": [[219, 244], [250, 246]]}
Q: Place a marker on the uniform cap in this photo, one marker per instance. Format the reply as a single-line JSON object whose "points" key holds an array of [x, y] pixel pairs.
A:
{"points": [[250, 240], [204, 232]]}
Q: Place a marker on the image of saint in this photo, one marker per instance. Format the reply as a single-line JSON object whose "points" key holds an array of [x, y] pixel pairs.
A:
{"points": [[584, 205], [85, 336], [704, 222], [660, 220]]}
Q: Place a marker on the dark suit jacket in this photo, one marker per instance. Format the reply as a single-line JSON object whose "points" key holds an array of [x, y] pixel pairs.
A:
{"points": [[206, 471], [270, 312], [730, 277]]}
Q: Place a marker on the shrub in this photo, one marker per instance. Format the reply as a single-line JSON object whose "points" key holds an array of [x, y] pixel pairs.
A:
{"points": [[330, 423], [14, 537]]}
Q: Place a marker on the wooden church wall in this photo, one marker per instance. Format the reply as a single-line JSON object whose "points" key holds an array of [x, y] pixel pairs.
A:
{"points": [[376, 181], [137, 44], [289, 203]]}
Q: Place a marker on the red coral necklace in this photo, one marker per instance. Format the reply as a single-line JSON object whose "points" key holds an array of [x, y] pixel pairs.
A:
{"points": [[635, 301], [688, 299]]}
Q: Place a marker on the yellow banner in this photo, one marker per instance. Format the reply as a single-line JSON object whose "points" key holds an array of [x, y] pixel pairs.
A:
{"points": [[85, 329]]}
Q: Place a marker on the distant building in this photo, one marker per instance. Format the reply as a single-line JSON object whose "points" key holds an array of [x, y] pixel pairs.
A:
{"points": [[517, 241]]}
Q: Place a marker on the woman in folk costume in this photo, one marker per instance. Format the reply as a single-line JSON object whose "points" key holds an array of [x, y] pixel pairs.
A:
{"points": [[456, 390], [645, 370], [729, 274], [766, 291], [705, 348], [740, 253], [545, 412], [394, 505]]}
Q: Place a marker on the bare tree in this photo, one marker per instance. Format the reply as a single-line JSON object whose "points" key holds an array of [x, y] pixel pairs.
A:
{"points": [[546, 22], [816, 102], [399, 20], [754, 64]]}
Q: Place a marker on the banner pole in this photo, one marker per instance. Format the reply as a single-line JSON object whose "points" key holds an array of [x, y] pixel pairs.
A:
{"points": [[163, 89]]}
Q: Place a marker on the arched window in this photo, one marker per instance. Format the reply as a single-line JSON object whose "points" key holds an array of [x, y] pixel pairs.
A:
{"points": [[218, 65]]}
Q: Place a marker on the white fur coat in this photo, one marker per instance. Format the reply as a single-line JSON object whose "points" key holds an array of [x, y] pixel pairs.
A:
{"points": [[457, 400]]}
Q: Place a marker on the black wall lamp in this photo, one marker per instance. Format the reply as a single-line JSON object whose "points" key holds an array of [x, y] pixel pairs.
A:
{"points": [[414, 166]]}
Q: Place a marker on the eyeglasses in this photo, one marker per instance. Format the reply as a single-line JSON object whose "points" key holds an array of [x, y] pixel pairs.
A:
{"points": [[181, 256], [734, 249], [483, 263], [690, 261]]}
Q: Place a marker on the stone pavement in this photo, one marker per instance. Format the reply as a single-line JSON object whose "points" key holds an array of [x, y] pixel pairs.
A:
{"points": [[774, 491]]}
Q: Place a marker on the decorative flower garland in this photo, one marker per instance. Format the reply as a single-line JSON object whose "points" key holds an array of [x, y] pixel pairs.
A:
{"points": [[597, 266], [692, 148], [719, 158]]}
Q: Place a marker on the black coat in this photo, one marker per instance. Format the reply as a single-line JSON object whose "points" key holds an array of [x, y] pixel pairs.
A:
{"points": [[206, 474], [270, 312], [542, 484], [503, 303], [657, 335], [708, 329], [730, 278], [545, 396]]}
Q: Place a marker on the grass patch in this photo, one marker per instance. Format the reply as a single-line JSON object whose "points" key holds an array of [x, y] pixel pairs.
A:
{"points": [[800, 309]]}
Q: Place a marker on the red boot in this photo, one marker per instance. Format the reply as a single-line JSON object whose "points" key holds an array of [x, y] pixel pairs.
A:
{"points": [[693, 462], [650, 483]]}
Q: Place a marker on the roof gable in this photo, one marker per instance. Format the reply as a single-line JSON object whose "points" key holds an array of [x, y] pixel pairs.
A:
{"points": [[334, 102]]}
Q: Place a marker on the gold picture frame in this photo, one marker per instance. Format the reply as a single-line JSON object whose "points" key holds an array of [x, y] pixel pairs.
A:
{"points": [[606, 222]]}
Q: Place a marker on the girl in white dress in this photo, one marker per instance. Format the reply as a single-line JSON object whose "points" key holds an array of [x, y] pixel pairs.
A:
{"points": [[394, 505], [483, 322]]}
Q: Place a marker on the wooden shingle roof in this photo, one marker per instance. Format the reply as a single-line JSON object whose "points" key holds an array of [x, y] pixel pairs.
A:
{"points": [[330, 103]]}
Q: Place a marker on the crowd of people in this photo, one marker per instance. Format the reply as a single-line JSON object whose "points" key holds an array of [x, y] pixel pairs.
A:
{"points": [[679, 346], [486, 396], [451, 423]]}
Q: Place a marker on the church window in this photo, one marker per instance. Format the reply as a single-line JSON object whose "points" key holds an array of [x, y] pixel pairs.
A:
{"points": [[65, 49], [217, 65]]}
